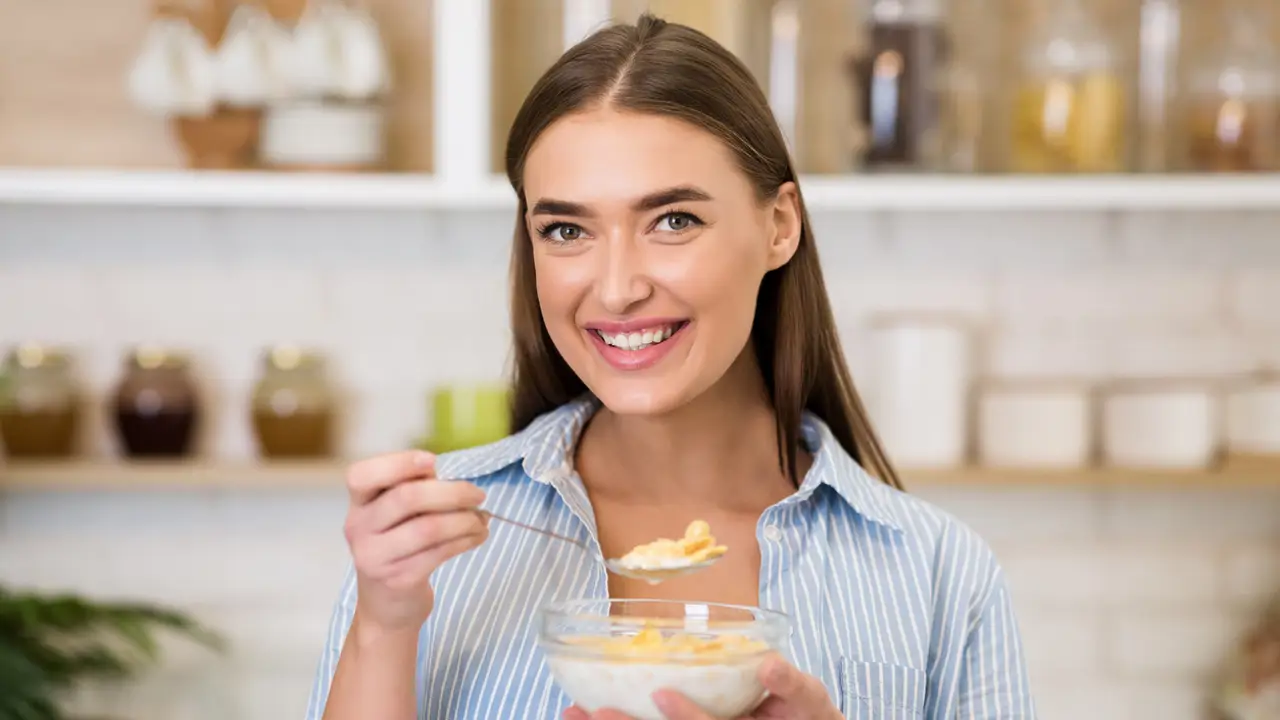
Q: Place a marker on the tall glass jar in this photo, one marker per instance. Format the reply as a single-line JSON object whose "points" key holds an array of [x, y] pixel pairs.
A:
{"points": [[156, 405], [742, 26], [39, 403], [1069, 106], [293, 405], [1233, 98], [901, 79]]}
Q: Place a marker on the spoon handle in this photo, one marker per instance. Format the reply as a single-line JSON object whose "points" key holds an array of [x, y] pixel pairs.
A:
{"points": [[531, 528]]}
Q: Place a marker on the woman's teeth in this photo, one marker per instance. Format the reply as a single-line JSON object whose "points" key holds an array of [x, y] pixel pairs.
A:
{"points": [[638, 340]]}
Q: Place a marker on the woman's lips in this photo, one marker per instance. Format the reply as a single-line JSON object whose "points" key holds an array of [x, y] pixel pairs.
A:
{"points": [[644, 356]]}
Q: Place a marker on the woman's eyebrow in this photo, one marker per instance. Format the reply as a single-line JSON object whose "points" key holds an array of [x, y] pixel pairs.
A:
{"points": [[670, 196], [652, 201], [550, 206]]}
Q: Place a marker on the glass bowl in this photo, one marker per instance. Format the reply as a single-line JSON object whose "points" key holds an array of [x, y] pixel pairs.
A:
{"points": [[616, 653]]}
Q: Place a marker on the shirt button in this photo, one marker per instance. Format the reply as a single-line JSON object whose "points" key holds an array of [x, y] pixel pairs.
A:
{"points": [[772, 533]]}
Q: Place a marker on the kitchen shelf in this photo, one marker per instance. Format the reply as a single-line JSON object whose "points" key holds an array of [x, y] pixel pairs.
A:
{"points": [[250, 189], [169, 476], [319, 475], [261, 189]]}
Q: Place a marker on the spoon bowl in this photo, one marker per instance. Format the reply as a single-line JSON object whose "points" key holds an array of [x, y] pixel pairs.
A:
{"points": [[655, 575]]}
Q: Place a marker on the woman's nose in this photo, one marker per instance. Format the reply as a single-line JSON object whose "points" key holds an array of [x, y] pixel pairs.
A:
{"points": [[622, 281]]}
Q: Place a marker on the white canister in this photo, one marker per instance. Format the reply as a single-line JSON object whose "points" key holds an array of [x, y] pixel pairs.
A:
{"points": [[329, 136], [1161, 425], [1253, 418], [918, 389], [1035, 424]]}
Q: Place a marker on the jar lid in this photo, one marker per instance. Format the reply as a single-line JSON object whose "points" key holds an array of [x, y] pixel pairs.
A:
{"points": [[1034, 385], [1159, 385], [896, 12], [30, 356], [153, 357], [291, 357]]}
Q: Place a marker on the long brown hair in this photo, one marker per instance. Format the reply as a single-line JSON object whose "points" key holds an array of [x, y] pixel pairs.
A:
{"points": [[669, 69]]}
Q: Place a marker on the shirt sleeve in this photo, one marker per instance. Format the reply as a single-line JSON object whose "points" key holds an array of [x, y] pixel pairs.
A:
{"points": [[993, 682], [339, 625]]}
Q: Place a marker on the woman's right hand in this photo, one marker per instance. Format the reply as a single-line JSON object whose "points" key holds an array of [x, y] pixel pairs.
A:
{"points": [[402, 524]]}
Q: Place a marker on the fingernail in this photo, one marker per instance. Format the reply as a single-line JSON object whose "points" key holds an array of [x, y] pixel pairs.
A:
{"points": [[424, 459]]}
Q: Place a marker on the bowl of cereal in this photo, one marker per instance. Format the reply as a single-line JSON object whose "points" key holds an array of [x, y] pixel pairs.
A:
{"points": [[617, 653]]}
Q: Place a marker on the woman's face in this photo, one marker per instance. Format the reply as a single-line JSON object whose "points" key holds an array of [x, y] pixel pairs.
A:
{"points": [[649, 246]]}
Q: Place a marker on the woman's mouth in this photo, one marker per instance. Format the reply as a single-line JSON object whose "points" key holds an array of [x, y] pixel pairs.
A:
{"points": [[638, 348], [641, 339]]}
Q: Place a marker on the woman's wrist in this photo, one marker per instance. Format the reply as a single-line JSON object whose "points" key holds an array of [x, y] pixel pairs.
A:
{"points": [[368, 634]]}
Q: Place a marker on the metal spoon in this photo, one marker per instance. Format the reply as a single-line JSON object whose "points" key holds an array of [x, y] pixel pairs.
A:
{"points": [[488, 515], [653, 576]]}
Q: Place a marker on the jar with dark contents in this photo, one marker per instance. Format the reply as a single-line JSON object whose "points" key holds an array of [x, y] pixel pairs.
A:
{"points": [[900, 82], [39, 403], [293, 405], [156, 405]]}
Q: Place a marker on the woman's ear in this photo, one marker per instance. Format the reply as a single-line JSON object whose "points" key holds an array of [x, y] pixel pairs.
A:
{"points": [[786, 223]]}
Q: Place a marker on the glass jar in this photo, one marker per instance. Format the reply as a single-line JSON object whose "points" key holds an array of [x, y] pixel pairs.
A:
{"points": [[466, 416], [811, 93], [293, 405], [39, 403], [901, 79], [156, 405], [743, 27], [528, 37], [1231, 100], [1069, 112], [1159, 42]]}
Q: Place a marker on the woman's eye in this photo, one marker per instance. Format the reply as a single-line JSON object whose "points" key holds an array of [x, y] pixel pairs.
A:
{"points": [[677, 222], [562, 232]]}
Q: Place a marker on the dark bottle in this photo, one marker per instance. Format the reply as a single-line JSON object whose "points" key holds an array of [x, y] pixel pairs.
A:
{"points": [[156, 406], [900, 84]]}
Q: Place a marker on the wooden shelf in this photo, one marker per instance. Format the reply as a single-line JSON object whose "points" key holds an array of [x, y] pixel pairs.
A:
{"points": [[169, 476], [215, 189], [321, 475], [1243, 475]]}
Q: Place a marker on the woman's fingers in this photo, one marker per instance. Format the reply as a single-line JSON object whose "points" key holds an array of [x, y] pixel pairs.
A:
{"points": [[422, 533], [417, 497], [369, 478], [410, 571]]}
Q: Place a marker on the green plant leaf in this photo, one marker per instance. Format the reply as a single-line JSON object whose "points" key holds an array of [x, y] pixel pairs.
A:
{"points": [[49, 643]]}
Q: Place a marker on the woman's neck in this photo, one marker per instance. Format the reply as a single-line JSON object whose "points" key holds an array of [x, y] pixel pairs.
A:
{"points": [[720, 449]]}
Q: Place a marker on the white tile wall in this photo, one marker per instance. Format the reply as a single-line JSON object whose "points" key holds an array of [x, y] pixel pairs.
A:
{"points": [[1128, 599]]}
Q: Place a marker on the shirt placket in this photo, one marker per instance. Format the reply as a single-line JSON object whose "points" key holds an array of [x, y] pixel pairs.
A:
{"points": [[569, 487], [792, 580]]}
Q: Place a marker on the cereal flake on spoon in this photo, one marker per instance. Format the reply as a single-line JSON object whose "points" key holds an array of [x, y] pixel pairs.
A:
{"points": [[664, 558]]}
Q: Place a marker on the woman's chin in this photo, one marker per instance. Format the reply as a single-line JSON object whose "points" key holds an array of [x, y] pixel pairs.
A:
{"points": [[651, 396]]}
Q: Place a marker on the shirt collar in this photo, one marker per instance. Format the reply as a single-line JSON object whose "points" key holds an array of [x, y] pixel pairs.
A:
{"points": [[545, 451]]}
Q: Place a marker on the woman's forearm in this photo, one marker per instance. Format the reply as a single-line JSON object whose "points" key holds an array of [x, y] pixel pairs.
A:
{"points": [[374, 679]]}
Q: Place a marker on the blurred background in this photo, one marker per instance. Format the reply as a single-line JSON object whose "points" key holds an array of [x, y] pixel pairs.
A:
{"points": [[242, 243]]}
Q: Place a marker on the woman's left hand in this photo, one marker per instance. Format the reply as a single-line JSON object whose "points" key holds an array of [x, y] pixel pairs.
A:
{"points": [[792, 696]]}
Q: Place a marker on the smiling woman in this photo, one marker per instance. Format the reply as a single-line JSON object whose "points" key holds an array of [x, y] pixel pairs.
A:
{"points": [[676, 358]]}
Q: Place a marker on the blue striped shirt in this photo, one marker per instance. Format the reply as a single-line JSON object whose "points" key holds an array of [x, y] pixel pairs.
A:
{"points": [[900, 610]]}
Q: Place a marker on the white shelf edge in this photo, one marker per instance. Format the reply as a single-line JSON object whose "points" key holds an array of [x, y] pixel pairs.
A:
{"points": [[1029, 192], [217, 189]]}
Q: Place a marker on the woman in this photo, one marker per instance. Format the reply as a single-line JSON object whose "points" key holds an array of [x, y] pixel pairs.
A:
{"points": [[675, 359]]}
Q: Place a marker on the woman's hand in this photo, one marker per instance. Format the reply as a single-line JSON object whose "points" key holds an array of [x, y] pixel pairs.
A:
{"points": [[792, 696], [402, 524]]}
